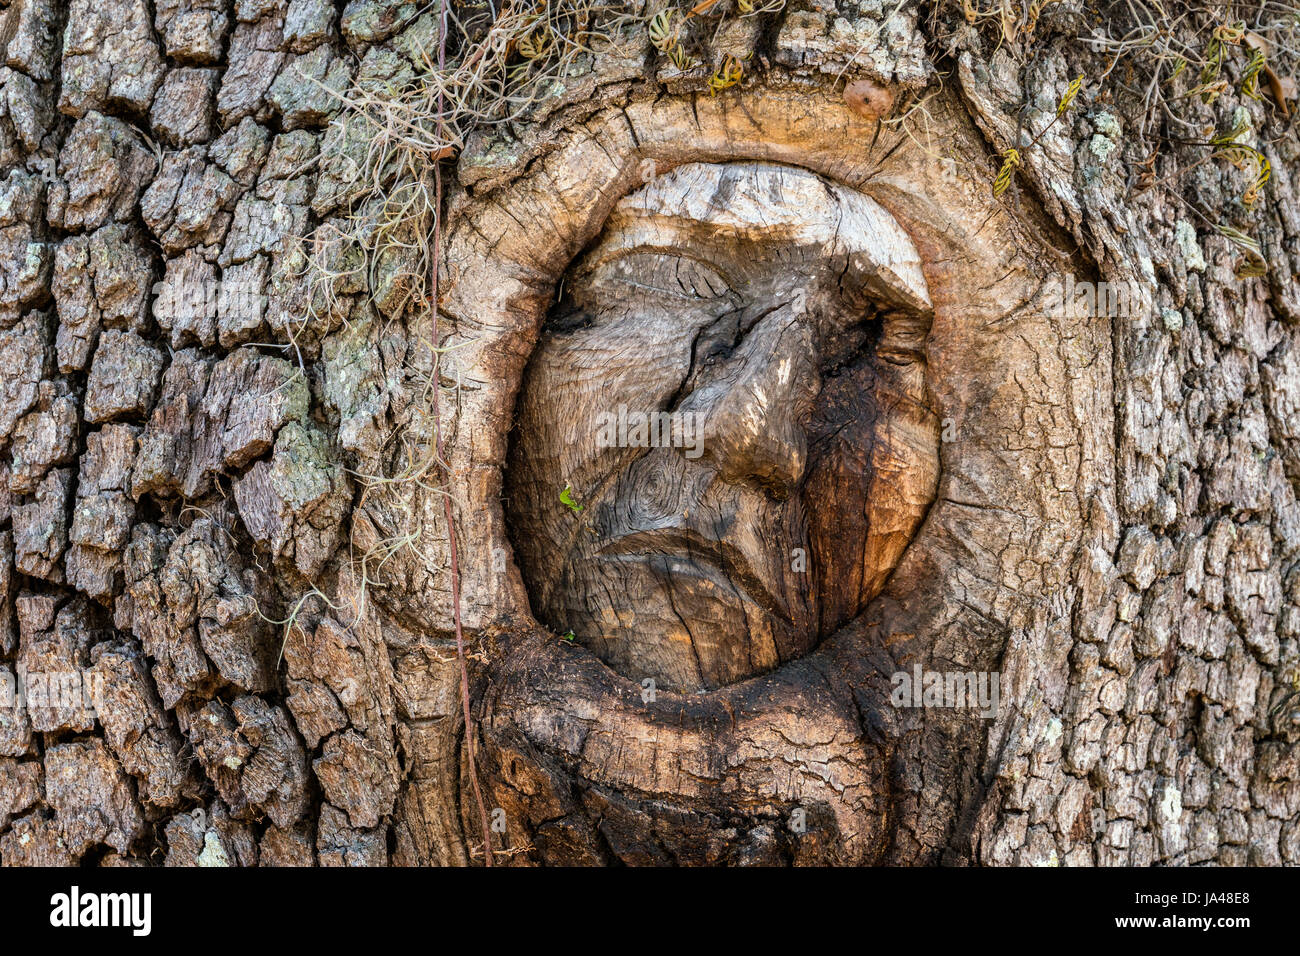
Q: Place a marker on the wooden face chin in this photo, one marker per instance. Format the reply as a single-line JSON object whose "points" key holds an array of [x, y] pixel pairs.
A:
{"points": [[732, 389]]}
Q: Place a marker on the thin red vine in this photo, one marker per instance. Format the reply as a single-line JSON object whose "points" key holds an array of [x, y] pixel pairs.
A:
{"points": [[437, 431]]}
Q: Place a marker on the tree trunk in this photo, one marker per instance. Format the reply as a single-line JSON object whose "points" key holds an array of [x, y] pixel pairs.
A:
{"points": [[976, 540]]}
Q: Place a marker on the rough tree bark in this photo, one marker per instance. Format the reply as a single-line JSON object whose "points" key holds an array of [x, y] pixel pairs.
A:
{"points": [[237, 647]]}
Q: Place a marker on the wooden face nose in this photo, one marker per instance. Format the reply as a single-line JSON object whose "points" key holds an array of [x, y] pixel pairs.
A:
{"points": [[752, 408]]}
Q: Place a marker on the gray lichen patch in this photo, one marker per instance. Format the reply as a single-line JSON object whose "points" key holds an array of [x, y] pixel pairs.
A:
{"points": [[294, 505]]}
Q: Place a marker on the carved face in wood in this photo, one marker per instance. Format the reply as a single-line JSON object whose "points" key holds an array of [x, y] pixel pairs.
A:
{"points": [[732, 388]]}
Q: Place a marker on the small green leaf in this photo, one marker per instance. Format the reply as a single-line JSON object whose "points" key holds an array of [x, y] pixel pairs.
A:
{"points": [[568, 637], [566, 498]]}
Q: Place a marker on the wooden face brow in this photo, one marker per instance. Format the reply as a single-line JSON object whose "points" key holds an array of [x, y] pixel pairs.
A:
{"points": [[758, 202]]}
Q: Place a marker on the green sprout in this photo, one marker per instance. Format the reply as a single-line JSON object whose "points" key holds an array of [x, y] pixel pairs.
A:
{"points": [[566, 498]]}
